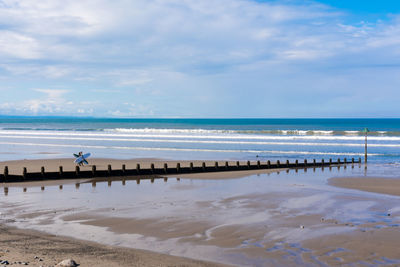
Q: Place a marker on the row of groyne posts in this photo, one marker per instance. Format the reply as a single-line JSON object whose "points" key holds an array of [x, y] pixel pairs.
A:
{"points": [[165, 170]]}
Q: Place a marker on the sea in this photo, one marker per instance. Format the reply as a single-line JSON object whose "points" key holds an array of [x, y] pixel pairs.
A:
{"points": [[200, 139]]}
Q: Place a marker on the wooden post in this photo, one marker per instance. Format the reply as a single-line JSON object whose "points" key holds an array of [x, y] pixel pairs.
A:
{"points": [[77, 185], [165, 179], [238, 164], [60, 171], [345, 160], [24, 172], [314, 162], [191, 166], [123, 169], [24, 189], [165, 168], [109, 183], [152, 168], [338, 160], [366, 149], [226, 165], [42, 172], [60, 187], [248, 164], [123, 182], [138, 168], [278, 163], [137, 181], [287, 163], [330, 161], [216, 165], [203, 166], [178, 167], [352, 160], [297, 163], [42, 188], [109, 169], [322, 162], [94, 170], [77, 170], [359, 160], [5, 172], [258, 164], [268, 164]]}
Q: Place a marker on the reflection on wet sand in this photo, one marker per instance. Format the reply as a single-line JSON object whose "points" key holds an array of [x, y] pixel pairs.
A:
{"points": [[265, 218]]}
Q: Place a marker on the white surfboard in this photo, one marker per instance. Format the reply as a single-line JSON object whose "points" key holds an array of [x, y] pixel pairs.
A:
{"points": [[82, 158]]}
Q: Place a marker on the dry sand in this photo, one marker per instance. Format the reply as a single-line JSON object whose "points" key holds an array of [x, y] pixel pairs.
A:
{"points": [[381, 185]]}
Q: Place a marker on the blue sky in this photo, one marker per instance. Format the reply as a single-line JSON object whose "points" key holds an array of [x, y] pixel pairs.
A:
{"points": [[225, 58]]}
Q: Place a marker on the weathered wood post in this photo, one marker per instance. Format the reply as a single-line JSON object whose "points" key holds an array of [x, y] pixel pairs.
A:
{"points": [[268, 164], [330, 161], [226, 165], [345, 160], [216, 165], [94, 170], [338, 160], [352, 160], [287, 163], [314, 162], [60, 187], [366, 153], [24, 189], [60, 171], [5, 173], [109, 183], [178, 167], [77, 170], [42, 188], [123, 169], [258, 164], [165, 168], [297, 163], [42, 172], [359, 160], [238, 164], [109, 169], [305, 163], [191, 166], [248, 164], [123, 182], [322, 162], [77, 185], [24, 172], [203, 166], [278, 163], [137, 168], [152, 168], [94, 184]]}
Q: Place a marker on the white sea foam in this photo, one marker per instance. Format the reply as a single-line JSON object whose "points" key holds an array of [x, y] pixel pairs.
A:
{"points": [[225, 135], [191, 149], [195, 141]]}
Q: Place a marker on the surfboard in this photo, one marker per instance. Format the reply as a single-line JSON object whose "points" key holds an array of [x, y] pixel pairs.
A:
{"points": [[82, 158]]}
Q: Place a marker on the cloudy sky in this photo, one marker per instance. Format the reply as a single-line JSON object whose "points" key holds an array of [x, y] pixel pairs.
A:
{"points": [[208, 58]]}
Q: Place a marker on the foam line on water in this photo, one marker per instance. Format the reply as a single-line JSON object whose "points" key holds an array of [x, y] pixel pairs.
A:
{"points": [[191, 149], [223, 136], [197, 141]]}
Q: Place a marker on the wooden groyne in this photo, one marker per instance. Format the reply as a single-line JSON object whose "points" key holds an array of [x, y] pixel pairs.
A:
{"points": [[152, 171]]}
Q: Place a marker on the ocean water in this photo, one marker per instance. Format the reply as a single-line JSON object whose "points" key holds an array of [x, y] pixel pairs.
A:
{"points": [[228, 139]]}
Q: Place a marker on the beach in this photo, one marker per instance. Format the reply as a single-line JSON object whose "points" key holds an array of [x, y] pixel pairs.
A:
{"points": [[245, 218]]}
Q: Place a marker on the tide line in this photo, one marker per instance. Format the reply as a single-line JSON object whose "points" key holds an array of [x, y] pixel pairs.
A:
{"points": [[191, 149]]}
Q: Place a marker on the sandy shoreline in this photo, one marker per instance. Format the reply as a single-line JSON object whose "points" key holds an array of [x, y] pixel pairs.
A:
{"points": [[266, 219], [379, 185], [24, 245]]}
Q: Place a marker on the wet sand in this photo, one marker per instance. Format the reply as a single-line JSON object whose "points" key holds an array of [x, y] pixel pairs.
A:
{"points": [[369, 184], [259, 218], [41, 249]]}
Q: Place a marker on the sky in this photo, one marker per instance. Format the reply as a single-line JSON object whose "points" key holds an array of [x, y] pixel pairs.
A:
{"points": [[200, 59]]}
